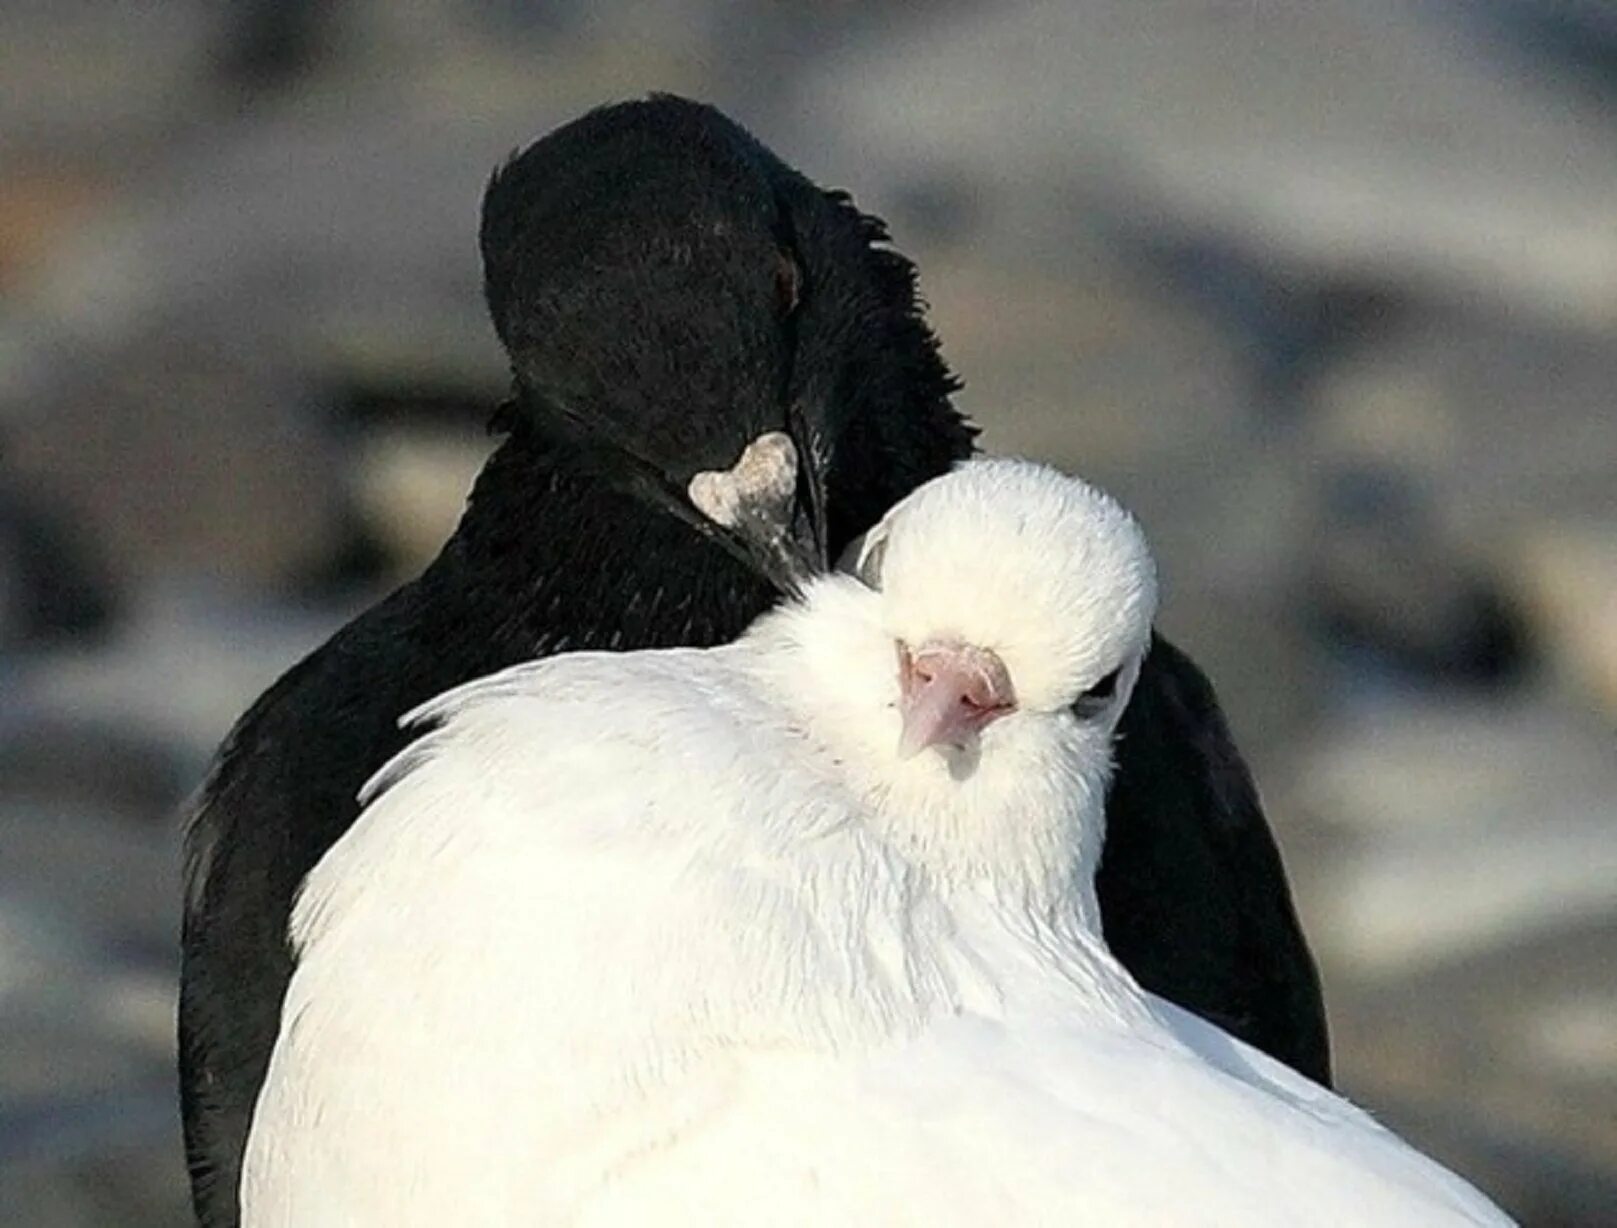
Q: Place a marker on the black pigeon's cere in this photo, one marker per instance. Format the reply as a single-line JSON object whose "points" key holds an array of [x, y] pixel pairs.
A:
{"points": [[668, 291]]}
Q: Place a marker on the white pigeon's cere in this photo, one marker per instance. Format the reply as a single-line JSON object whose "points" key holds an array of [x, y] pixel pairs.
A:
{"points": [[797, 931]]}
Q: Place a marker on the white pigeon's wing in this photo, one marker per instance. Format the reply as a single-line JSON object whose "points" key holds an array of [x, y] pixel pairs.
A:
{"points": [[498, 863], [502, 989], [985, 1122]]}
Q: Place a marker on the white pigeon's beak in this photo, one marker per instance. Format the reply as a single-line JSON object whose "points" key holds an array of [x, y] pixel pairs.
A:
{"points": [[948, 693]]}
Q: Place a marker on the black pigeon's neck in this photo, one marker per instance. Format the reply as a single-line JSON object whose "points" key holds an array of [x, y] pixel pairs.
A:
{"points": [[554, 555]]}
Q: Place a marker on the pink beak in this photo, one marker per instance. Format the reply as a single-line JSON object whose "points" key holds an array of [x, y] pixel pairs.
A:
{"points": [[947, 693]]}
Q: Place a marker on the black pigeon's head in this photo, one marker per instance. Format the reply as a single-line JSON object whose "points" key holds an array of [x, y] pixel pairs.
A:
{"points": [[717, 332]]}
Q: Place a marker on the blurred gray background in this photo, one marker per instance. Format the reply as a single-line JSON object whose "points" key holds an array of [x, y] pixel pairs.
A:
{"points": [[1326, 291]]}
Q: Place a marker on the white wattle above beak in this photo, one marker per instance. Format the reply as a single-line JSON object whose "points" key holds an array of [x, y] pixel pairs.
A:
{"points": [[948, 692]]}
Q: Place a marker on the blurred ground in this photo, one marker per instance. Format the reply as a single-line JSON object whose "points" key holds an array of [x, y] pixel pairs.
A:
{"points": [[1327, 292]]}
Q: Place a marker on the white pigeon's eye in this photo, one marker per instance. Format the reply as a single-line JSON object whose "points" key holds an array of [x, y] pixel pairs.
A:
{"points": [[1105, 688], [1095, 699]]}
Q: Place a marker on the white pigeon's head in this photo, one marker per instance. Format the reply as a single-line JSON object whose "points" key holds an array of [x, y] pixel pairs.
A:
{"points": [[1009, 588], [966, 682]]}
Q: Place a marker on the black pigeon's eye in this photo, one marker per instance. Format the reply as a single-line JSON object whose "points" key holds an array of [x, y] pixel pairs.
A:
{"points": [[788, 283], [1102, 690]]}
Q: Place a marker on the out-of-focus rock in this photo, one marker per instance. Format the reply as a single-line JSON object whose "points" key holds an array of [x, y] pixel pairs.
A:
{"points": [[1388, 139], [1504, 434], [1580, 35], [183, 668], [1566, 575], [93, 766], [52, 587], [1470, 824], [1381, 576], [186, 455], [105, 1181], [88, 1119], [41, 199], [269, 44], [164, 368], [1288, 324], [315, 226], [79, 885], [1504, 422], [91, 78]]}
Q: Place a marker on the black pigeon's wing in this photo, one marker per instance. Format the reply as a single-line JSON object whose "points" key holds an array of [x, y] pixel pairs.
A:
{"points": [[1192, 891]]}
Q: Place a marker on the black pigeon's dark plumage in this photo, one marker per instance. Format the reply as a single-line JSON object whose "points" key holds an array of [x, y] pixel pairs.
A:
{"points": [[668, 290]]}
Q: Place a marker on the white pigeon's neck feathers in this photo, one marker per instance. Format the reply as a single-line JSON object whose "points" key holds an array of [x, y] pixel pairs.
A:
{"points": [[1052, 576], [1023, 818]]}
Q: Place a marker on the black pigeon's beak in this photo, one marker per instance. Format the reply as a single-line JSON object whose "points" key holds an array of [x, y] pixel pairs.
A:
{"points": [[770, 507], [767, 509]]}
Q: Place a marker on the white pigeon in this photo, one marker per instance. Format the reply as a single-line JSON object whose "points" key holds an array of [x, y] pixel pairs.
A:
{"points": [[797, 931]]}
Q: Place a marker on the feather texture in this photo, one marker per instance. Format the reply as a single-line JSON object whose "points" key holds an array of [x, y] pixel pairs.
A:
{"points": [[675, 938]]}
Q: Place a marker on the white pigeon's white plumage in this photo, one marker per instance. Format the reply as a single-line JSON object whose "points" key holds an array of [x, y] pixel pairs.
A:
{"points": [[677, 938]]}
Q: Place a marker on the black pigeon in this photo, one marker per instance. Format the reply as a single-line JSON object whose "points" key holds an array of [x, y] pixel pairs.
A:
{"points": [[669, 293]]}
